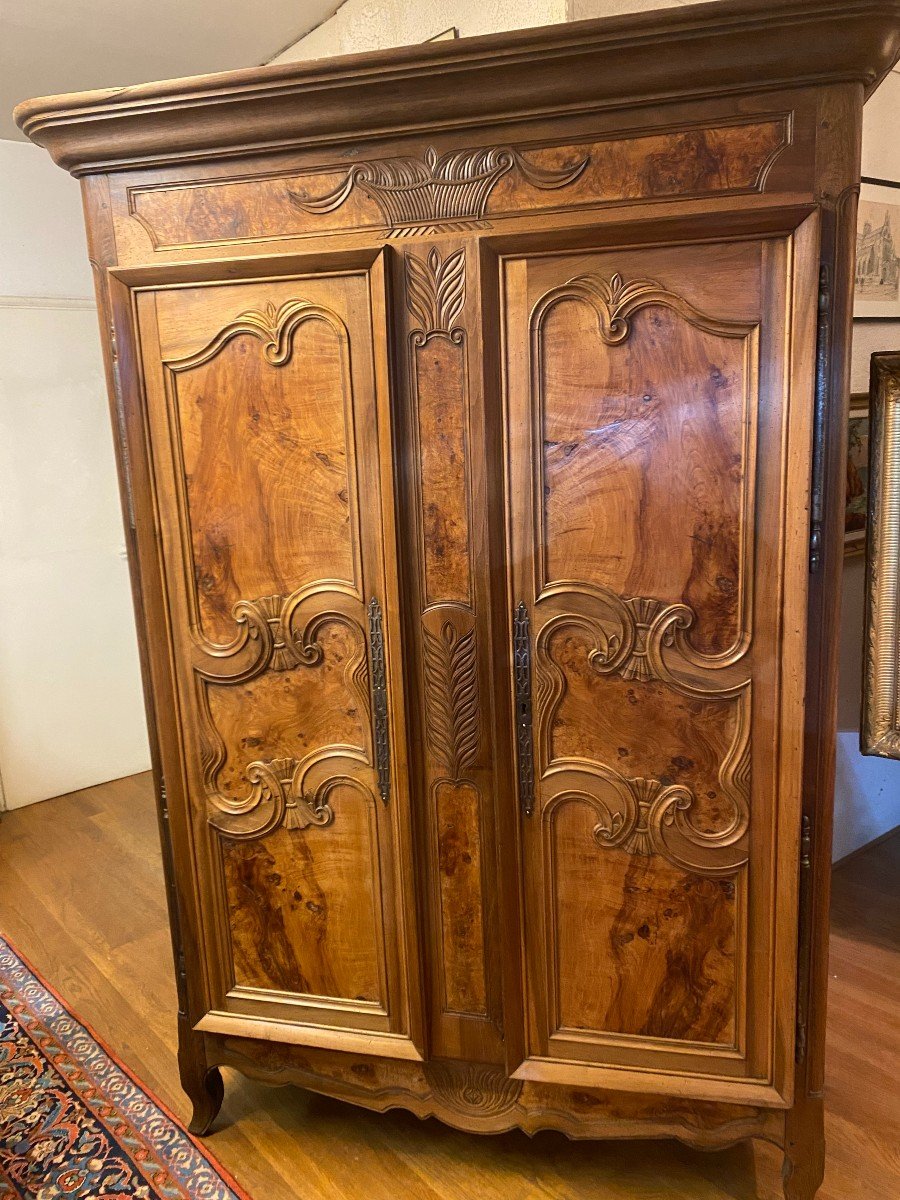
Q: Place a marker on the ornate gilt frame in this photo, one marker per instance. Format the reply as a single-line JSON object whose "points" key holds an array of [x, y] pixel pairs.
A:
{"points": [[880, 731]]}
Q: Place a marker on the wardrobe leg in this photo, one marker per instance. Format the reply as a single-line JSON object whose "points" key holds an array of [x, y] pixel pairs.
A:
{"points": [[202, 1083], [804, 1150]]}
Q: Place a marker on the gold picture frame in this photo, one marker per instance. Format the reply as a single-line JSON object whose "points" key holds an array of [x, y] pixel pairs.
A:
{"points": [[880, 730], [857, 497]]}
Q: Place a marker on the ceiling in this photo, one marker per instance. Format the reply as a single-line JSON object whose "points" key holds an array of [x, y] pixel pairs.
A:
{"points": [[52, 46]]}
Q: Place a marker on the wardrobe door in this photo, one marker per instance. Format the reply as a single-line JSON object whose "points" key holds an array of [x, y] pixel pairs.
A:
{"points": [[270, 448], [659, 403]]}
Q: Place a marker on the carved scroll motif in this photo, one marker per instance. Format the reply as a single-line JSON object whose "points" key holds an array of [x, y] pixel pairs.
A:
{"points": [[468, 1088], [413, 194], [276, 796], [643, 639], [615, 302], [273, 326], [282, 641]]}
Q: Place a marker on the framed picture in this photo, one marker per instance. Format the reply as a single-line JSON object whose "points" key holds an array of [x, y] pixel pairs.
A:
{"points": [[857, 475], [877, 295]]}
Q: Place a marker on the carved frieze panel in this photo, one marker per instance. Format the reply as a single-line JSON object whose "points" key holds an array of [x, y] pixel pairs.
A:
{"points": [[438, 192], [444, 191]]}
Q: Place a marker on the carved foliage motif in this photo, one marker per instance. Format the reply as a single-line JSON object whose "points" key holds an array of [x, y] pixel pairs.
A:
{"points": [[451, 698], [436, 293], [414, 193]]}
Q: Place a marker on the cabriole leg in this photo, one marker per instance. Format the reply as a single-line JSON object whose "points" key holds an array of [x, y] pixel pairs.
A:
{"points": [[202, 1083]]}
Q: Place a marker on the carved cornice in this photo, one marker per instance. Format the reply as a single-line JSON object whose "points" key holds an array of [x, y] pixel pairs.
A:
{"points": [[437, 192], [451, 697], [436, 293], [738, 47]]}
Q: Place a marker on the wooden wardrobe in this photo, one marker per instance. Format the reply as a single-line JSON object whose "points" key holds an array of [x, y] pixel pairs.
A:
{"points": [[480, 411]]}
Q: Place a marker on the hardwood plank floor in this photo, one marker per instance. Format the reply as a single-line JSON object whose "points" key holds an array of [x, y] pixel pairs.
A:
{"points": [[81, 894]]}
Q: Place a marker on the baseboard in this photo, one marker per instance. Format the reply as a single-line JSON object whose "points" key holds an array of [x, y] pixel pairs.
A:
{"points": [[883, 837]]}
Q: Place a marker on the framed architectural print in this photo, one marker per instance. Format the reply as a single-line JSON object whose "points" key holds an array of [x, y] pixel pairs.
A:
{"points": [[878, 252], [857, 475]]}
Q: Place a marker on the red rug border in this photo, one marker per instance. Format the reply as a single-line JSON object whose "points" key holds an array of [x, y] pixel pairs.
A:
{"points": [[101, 1042]]}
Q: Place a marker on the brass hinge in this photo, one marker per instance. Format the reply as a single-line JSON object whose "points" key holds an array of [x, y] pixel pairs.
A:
{"points": [[820, 419], [804, 940]]}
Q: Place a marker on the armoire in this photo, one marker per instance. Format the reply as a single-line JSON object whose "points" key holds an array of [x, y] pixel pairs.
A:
{"points": [[480, 411]]}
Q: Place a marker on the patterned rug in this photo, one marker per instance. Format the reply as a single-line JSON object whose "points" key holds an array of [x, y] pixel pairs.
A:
{"points": [[74, 1123]]}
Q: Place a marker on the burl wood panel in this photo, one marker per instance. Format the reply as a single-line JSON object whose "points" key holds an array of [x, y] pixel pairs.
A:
{"points": [[641, 727], [305, 906], [269, 474], [459, 837], [636, 490], [641, 438], [439, 368], [293, 713], [458, 182], [264, 431], [660, 942], [452, 642]]}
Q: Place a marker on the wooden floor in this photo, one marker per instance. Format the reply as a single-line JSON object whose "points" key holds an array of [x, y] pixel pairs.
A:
{"points": [[81, 895]]}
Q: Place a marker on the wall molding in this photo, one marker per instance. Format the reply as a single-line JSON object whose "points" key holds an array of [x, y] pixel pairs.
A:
{"points": [[84, 303]]}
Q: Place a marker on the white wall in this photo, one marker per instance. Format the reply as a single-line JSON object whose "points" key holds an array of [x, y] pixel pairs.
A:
{"points": [[71, 712], [377, 24]]}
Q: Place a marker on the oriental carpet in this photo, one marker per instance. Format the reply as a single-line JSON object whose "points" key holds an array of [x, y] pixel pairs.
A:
{"points": [[74, 1123]]}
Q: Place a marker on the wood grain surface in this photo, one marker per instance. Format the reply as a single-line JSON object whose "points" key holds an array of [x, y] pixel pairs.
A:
{"points": [[102, 939]]}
